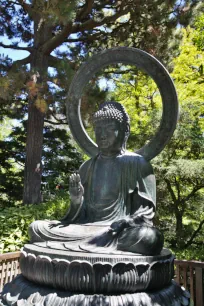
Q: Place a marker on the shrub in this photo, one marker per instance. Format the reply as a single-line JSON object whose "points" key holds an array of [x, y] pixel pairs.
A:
{"points": [[191, 253], [14, 221]]}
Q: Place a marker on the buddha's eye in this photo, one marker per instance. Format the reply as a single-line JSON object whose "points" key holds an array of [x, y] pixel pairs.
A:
{"points": [[97, 129], [112, 128]]}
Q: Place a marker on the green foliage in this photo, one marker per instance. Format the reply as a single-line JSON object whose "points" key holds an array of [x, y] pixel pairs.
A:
{"points": [[199, 32], [179, 168], [193, 253], [96, 26], [60, 11], [188, 72], [185, 169], [140, 96], [14, 221], [5, 128], [60, 159], [11, 170], [61, 34]]}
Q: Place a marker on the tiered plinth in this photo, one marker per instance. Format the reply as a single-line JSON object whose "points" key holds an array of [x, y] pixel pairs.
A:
{"points": [[59, 277]]}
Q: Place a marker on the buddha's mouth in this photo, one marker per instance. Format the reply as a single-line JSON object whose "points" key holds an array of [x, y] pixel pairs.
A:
{"points": [[104, 141], [104, 144]]}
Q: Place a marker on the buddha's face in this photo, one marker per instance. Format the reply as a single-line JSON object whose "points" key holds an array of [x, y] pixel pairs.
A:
{"points": [[109, 136]]}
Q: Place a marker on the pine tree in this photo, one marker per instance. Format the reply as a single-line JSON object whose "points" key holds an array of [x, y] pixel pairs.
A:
{"points": [[59, 158], [82, 27]]}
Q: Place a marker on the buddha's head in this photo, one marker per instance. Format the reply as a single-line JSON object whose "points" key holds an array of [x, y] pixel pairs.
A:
{"points": [[112, 128]]}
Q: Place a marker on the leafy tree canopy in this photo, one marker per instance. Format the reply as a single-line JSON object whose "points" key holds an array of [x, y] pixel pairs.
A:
{"points": [[199, 32], [179, 168], [80, 28]]}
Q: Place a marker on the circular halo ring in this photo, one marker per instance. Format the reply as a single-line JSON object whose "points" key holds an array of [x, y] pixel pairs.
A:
{"points": [[146, 63]]}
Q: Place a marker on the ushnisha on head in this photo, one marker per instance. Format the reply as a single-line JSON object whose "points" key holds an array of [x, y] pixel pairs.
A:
{"points": [[112, 126]]}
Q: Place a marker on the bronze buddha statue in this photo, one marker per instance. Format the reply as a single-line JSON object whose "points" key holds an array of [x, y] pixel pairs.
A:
{"points": [[113, 197]]}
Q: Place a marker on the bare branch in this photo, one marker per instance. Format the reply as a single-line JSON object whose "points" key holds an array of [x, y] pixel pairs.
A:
{"points": [[57, 40], [54, 61], [85, 10], [21, 62], [112, 71], [57, 119], [195, 233], [171, 191], [29, 49], [193, 192], [177, 188], [60, 122]]}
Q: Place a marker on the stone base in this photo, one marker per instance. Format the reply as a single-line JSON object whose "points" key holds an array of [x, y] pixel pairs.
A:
{"points": [[96, 273], [21, 292]]}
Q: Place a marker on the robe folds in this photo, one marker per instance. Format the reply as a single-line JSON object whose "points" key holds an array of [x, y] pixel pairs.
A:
{"points": [[86, 227], [136, 188]]}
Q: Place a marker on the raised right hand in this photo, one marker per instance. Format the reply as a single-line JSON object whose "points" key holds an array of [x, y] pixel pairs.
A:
{"points": [[76, 189]]}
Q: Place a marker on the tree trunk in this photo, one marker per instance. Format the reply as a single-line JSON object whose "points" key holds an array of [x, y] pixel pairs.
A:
{"points": [[35, 124], [179, 228], [33, 167]]}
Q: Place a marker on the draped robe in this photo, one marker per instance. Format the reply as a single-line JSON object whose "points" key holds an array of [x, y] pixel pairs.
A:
{"points": [[88, 227]]}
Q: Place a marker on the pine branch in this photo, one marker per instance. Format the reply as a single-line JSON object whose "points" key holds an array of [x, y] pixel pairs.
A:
{"points": [[112, 71], [54, 61], [106, 4], [57, 40], [21, 62], [13, 2], [90, 24], [85, 10], [195, 233], [68, 29], [29, 49], [54, 116], [27, 7], [60, 122], [52, 113], [87, 38]]}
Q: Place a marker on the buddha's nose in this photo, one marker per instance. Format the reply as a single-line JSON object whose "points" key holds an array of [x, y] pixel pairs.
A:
{"points": [[103, 134]]}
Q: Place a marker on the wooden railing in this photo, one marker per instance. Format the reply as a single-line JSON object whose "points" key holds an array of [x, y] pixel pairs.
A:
{"points": [[9, 267], [189, 274]]}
